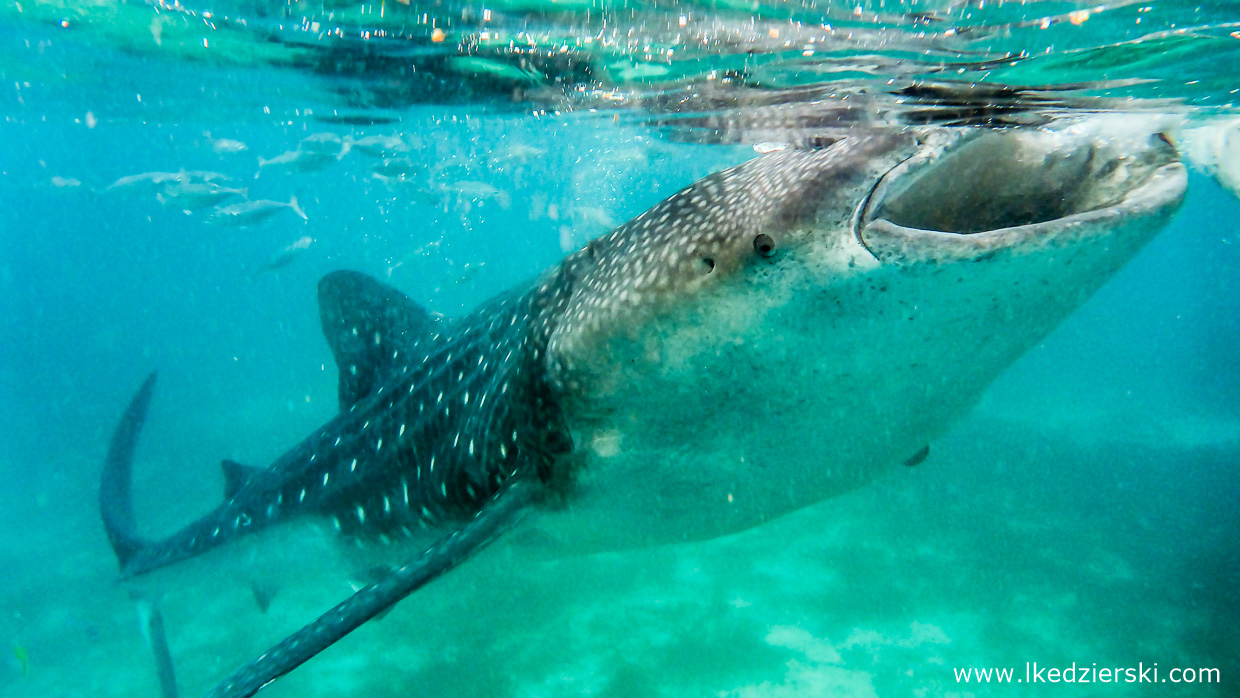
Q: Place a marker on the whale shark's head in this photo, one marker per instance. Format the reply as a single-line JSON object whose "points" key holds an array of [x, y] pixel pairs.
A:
{"points": [[790, 325]]}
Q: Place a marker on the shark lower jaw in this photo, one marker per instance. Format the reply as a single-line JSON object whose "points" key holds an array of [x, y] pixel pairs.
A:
{"points": [[1018, 190]]}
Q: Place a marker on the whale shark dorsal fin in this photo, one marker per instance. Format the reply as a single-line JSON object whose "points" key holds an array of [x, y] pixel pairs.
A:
{"points": [[236, 476], [372, 330]]}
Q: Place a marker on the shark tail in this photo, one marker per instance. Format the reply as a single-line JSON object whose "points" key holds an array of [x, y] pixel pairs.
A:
{"points": [[292, 203], [115, 490]]}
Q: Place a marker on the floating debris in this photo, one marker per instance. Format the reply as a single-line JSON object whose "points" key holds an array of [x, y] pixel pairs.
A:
{"points": [[250, 212]]}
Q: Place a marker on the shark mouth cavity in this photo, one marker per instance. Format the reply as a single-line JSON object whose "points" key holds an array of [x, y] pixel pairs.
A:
{"points": [[993, 190]]}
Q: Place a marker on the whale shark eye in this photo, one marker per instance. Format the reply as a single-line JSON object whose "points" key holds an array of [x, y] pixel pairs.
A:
{"points": [[764, 244]]}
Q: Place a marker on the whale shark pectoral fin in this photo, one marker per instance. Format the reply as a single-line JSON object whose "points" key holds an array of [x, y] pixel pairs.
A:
{"points": [[115, 489], [237, 475], [504, 511], [372, 329]]}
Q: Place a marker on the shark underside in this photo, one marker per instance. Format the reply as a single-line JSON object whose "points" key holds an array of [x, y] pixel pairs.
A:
{"points": [[762, 340]]}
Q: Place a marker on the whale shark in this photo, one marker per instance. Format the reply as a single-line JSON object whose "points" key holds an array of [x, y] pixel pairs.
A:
{"points": [[764, 339]]}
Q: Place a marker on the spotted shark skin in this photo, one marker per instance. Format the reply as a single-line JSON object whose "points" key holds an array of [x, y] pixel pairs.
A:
{"points": [[780, 320], [435, 417]]}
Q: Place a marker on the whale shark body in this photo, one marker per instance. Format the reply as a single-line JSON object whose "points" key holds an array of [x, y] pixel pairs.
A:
{"points": [[766, 338]]}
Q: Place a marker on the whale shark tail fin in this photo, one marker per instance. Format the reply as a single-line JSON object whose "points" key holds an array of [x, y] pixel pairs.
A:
{"points": [[115, 491]]}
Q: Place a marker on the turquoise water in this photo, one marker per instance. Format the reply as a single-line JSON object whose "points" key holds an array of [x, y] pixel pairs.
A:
{"points": [[1084, 512]]}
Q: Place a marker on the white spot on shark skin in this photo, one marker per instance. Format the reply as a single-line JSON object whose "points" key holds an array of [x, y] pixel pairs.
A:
{"points": [[387, 505], [404, 486], [378, 444], [402, 430], [361, 514], [352, 467], [337, 441], [325, 477], [302, 496]]}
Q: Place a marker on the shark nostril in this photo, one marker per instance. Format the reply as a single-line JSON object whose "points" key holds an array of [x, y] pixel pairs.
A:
{"points": [[709, 264]]}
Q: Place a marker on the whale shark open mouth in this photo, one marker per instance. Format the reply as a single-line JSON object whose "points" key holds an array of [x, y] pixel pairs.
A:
{"points": [[961, 199]]}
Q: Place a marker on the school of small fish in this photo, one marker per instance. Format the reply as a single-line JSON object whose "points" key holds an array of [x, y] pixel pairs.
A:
{"points": [[400, 164]]}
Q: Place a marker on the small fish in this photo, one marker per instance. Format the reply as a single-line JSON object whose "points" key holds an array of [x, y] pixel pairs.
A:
{"points": [[592, 217], [301, 160], [66, 182], [397, 168], [518, 152], [225, 146], [469, 272], [203, 176], [377, 146], [190, 196], [284, 257], [23, 658], [323, 142], [326, 144], [250, 212], [495, 70], [471, 189], [147, 182]]}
